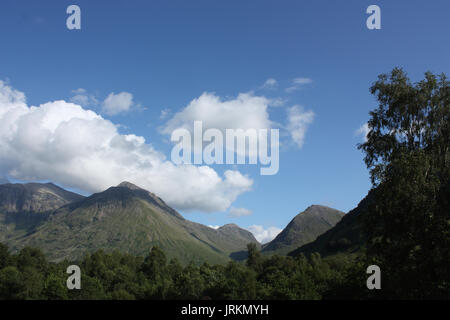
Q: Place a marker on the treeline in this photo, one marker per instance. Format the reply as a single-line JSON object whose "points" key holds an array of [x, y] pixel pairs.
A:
{"points": [[115, 275]]}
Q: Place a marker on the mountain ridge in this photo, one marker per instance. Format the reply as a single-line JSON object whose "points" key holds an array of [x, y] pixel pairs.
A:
{"points": [[305, 227], [347, 236], [130, 219]]}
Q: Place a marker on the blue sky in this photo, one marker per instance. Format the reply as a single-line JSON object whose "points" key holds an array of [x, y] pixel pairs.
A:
{"points": [[168, 53]]}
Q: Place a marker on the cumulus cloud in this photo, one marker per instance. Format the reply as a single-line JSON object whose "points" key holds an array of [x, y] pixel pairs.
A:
{"points": [[239, 212], [214, 227], [363, 131], [264, 235], [245, 112], [298, 122], [117, 103], [64, 143], [297, 83]]}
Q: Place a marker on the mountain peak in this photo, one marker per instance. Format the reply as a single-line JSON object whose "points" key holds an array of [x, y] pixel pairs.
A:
{"points": [[125, 192], [304, 228], [229, 225], [318, 208], [34, 197], [129, 185]]}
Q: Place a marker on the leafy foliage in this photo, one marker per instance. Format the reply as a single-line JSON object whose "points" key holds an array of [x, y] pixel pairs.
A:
{"points": [[408, 153], [115, 275]]}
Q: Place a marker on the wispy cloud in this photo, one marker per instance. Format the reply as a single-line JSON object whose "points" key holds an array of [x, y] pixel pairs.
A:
{"points": [[297, 83], [239, 212], [164, 113], [298, 122], [83, 98], [270, 83]]}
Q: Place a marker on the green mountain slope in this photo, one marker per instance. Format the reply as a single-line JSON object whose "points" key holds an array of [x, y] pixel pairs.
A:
{"points": [[304, 228], [346, 237], [131, 220]]}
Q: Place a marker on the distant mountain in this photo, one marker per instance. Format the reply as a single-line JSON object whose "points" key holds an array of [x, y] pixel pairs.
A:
{"points": [[34, 197], [236, 235], [131, 220], [347, 236], [3, 180], [304, 228], [24, 206]]}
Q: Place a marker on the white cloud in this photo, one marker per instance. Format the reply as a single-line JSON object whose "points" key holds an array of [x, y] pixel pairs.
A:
{"points": [[64, 143], [239, 212], [245, 112], [302, 81], [117, 103], [363, 131], [264, 235], [298, 122], [297, 83], [84, 99], [164, 113], [214, 227], [277, 102], [270, 83], [79, 91]]}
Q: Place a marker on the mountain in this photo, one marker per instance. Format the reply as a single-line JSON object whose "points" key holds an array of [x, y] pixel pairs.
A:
{"points": [[3, 180], [236, 235], [131, 220], [304, 228], [34, 197], [24, 206], [347, 236]]}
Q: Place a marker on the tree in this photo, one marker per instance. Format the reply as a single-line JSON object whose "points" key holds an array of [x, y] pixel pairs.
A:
{"points": [[407, 152], [55, 287], [155, 264], [410, 117], [155, 270], [11, 285], [31, 257], [254, 260], [5, 258], [33, 283]]}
